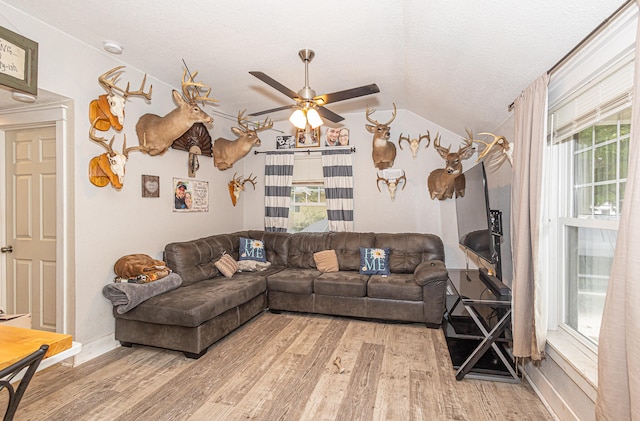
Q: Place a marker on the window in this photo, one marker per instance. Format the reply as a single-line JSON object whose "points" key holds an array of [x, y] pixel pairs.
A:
{"points": [[587, 229], [308, 208], [585, 165]]}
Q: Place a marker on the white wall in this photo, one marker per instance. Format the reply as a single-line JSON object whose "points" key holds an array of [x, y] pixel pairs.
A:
{"points": [[411, 211], [111, 223]]}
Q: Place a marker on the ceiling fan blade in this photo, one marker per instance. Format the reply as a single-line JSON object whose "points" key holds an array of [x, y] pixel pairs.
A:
{"points": [[273, 110], [275, 84], [329, 115], [346, 94]]}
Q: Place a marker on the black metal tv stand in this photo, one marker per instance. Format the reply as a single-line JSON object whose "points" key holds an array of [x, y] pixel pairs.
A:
{"points": [[477, 326]]}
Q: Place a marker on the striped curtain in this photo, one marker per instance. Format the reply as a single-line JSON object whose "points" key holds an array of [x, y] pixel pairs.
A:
{"points": [[337, 170], [278, 176]]}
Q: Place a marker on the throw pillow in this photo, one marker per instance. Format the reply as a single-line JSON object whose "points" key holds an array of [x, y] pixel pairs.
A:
{"points": [[326, 261], [227, 265], [374, 261], [252, 250]]}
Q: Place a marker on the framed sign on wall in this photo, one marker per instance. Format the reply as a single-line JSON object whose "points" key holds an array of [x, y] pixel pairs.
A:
{"points": [[18, 62]]}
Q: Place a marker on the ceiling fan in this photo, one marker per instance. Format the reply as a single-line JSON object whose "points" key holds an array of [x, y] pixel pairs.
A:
{"points": [[306, 98]]}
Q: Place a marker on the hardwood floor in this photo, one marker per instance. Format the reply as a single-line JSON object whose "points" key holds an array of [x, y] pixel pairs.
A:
{"points": [[280, 367]]}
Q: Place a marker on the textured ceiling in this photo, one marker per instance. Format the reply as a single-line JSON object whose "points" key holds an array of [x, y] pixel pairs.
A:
{"points": [[457, 64]]}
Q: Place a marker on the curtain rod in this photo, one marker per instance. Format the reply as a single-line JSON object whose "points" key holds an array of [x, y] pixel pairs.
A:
{"points": [[583, 42], [308, 151]]}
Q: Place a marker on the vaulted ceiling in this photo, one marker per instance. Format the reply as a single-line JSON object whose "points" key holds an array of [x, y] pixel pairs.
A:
{"points": [[458, 64]]}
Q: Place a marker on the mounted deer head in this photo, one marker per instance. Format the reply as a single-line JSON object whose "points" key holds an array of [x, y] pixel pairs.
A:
{"points": [[392, 182], [159, 132], [384, 152], [109, 109], [110, 166], [236, 186], [443, 182], [227, 152], [414, 144]]}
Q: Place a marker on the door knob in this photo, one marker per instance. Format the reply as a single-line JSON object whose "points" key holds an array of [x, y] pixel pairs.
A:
{"points": [[7, 249]]}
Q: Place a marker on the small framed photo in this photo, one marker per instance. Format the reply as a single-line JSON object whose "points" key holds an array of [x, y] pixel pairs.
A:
{"points": [[285, 142], [150, 186], [336, 136], [308, 138], [190, 195]]}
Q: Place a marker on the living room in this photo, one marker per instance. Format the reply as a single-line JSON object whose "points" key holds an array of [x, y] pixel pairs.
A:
{"points": [[96, 226]]}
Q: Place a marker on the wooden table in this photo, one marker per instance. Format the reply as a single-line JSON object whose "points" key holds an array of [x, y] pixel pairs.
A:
{"points": [[16, 343]]}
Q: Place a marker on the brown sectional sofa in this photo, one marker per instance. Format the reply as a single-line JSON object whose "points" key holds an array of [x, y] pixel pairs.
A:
{"points": [[208, 305]]}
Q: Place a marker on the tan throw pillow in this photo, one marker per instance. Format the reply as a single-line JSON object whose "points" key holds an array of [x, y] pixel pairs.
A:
{"points": [[227, 265], [326, 261]]}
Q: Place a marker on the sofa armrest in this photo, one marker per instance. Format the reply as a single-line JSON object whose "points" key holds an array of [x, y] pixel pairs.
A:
{"points": [[430, 271], [432, 275]]}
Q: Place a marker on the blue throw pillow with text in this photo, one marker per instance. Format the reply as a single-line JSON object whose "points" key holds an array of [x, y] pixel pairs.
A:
{"points": [[252, 250], [374, 261]]}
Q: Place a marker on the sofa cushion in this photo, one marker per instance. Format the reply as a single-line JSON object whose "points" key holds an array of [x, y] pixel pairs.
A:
{"points": [[408, 250], [342, 284], [276, 244], [326, 261], [374, 261], [397, 286], [251, 249], [227, 265], [194, 304], [293, 280], [347, 246], [303, 245], [194, 260]]}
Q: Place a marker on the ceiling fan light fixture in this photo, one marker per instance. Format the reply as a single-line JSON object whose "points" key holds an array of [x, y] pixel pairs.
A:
{"points": [[314, 119], [298, 119]]}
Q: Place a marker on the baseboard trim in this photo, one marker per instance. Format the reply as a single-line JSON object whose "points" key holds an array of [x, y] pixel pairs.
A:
{"points": [[93, 349], [548, 394]]}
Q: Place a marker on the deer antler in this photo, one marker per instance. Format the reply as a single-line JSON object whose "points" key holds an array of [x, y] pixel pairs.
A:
{"points": [[468, 142], [426, 136], [384, 180], [191, 89], [376, 122], [401, 138], [436, 145], [250, 180], [242, 120], [109, 79], [108, 145]]}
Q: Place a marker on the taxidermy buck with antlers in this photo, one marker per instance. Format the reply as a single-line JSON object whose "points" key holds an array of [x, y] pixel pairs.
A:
{"points": [[384, 152], [158, 133], [443, 182], [227, 152], [110, 166], [108, 110], [236, 186]]}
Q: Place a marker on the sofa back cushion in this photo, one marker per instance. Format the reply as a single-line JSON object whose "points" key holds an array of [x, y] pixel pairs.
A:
{"points": [[195, 260], [408, 250], [303, 245], [347, 246], [276, 244]]}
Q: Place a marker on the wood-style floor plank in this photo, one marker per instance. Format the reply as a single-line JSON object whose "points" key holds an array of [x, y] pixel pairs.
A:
{"points": [[280, 367]]}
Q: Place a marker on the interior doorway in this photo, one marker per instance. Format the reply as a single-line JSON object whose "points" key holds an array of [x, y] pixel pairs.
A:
{"points": [[30, 224], [37, 281]]}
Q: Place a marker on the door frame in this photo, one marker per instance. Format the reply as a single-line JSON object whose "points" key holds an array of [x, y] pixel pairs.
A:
{"points": [[58, 115]]}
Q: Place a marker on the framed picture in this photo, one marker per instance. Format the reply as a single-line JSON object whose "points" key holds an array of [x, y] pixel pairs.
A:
{"points": [[190, 195], [308, 138], [19, 59], [285, 142], [336, 136], [150, 186]]}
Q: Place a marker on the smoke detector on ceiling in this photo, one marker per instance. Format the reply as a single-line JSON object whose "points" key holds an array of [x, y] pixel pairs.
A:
{"points": [[112, 47]]}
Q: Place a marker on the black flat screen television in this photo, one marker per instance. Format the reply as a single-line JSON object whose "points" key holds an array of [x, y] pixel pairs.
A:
{"points": [[476, 233]]}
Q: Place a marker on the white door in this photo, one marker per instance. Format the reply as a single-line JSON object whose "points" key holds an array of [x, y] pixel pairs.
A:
{"points": [[30, 156]]}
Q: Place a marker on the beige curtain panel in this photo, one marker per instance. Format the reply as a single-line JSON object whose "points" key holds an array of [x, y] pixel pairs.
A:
{"points": [[529, 327], [619, 343]]}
